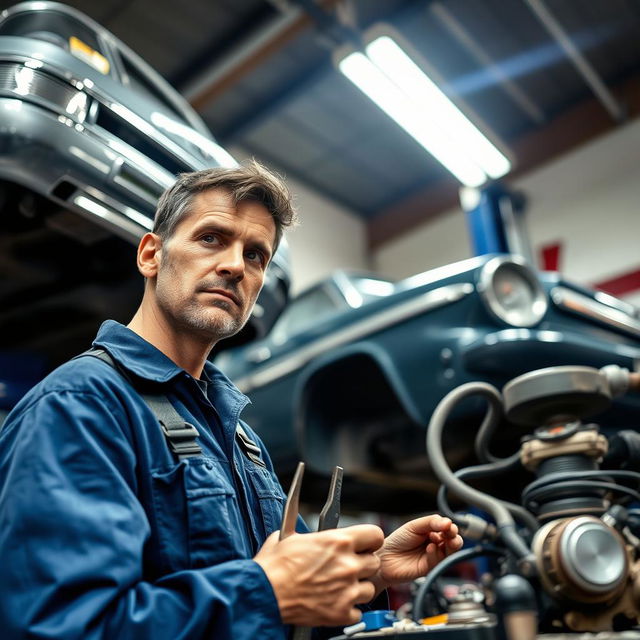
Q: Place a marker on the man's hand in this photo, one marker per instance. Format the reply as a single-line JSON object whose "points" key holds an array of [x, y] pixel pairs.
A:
{"points": [[414, 549], [318, 578]]}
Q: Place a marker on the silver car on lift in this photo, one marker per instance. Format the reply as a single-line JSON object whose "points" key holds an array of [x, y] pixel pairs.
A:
{"points": [[90, 136]]}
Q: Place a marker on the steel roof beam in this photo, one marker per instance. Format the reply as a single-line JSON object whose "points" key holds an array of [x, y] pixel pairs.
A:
{"points": [[249, 55], [583, 66], [464, 38], [244, 58]]}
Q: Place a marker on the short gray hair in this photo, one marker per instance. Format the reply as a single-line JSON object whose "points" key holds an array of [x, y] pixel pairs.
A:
{"points": [[252, 181]]}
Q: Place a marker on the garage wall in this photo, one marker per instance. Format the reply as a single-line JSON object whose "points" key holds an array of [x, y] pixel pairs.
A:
{"points": [[588, 202], [328, 237]]}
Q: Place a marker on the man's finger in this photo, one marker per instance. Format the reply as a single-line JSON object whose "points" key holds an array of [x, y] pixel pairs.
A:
{"points": [[366, 592], [370, 564], [426, 524], [455, 544], [366, 537], [433, 557]]}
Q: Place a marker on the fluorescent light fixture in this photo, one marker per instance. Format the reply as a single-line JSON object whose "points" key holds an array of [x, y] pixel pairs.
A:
{"points": [[389, 77]]}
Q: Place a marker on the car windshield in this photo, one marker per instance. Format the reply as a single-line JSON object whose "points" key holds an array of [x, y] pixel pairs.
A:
{"points": [[304, 312], [314, 306], [62, 30], [359, 290]]}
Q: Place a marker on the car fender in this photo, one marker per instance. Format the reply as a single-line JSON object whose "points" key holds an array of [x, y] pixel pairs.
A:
{"points": [[328, 374]]}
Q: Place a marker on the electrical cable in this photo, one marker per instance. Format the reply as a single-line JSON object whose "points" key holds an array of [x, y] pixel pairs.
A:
{"points": [[459, 556], [538, 493], [577, 475], [567, 480], [475, 471]]}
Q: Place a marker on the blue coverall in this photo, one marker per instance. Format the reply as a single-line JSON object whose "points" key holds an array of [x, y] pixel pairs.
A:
{"points": [[104, 534]]}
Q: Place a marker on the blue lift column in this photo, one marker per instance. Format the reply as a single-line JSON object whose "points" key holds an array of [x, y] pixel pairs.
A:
{"points": [[495, 217]]}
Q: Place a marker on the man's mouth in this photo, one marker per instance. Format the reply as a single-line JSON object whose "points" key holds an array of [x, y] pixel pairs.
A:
{"points": [[225, 293]]}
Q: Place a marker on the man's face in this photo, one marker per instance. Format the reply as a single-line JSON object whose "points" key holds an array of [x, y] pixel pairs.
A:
{"points": [[212, 267]]}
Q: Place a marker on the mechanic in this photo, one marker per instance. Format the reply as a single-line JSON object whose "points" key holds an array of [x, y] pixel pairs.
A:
{"points": [[105, 533]]}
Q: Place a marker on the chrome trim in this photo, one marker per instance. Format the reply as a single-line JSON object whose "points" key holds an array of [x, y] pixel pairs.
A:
{"points": [[583, 305], [30, 81], [515, 318], [105, 101], [381, 320], [616, 303]]}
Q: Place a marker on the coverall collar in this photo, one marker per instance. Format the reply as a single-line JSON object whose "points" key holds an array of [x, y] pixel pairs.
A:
{"points": [[145, 361]]}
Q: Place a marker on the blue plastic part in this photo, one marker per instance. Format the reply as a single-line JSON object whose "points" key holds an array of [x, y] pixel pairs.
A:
{"points": [[378, 619]]}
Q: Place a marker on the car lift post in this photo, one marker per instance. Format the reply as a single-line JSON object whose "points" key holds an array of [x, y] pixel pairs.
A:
{"points": [[495, 218]]}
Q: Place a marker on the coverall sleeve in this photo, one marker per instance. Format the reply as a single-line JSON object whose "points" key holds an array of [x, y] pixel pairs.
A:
{"points": [[72, 536]]}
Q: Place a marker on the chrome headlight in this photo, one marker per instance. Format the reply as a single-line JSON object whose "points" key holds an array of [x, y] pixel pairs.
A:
{"points": [[511, 291]]}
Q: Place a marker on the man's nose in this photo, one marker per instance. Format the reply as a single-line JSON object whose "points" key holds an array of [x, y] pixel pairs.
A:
{"points": [[231, 262]]}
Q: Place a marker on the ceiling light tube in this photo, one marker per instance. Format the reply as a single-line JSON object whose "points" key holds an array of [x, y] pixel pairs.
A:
{"points": [[412, 118], [389, 77]]}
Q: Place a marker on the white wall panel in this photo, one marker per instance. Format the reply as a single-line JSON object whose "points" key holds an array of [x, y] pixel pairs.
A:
{"points": [[328, 237]]}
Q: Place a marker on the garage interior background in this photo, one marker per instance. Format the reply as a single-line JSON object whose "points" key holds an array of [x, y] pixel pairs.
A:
{"points": [[557, 82]]}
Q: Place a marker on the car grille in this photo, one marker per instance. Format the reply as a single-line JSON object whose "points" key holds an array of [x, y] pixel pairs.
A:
{"points": [[130, 134]]}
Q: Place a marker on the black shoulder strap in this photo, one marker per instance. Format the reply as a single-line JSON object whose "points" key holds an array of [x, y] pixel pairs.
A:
{"points": [[180, 434]]}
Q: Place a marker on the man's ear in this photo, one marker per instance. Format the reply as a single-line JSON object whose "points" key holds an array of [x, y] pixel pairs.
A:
{"points": [[149, 255]]}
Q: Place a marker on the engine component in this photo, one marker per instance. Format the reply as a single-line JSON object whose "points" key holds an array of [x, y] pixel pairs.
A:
{"points": [[581, 559], [556, 395], [555, 453], [467, 607], [586, 568], [517, 606]]}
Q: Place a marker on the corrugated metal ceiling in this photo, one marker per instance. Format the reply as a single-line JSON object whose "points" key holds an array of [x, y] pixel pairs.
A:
{"points": [[287, 104]]}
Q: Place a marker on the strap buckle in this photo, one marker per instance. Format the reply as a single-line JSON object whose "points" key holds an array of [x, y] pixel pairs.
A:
{"points": [[181, 439]]}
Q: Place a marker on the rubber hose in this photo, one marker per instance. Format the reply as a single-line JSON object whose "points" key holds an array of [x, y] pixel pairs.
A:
{"points": [[459, 556], [479, 471], [488, 426], [504, 520]]}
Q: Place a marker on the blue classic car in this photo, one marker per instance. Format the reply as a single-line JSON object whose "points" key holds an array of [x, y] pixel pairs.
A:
{"points": [[354, 367], [90, 136]]}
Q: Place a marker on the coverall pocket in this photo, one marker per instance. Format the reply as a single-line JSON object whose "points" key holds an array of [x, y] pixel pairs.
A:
{"points": [[191, 502], [208, 498], [170, 512], [269, 495]]}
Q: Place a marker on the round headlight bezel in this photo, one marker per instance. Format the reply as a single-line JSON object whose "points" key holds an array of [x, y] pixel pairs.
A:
{"points": [[512, 317]]}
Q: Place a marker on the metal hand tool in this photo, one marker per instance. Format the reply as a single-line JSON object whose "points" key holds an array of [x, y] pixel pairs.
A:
{"points": [[292, 506], [329, 517], [330, 513]]}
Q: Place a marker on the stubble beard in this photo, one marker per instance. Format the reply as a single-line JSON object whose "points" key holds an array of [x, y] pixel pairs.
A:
{"points": [[198, 318], [193, 316]]}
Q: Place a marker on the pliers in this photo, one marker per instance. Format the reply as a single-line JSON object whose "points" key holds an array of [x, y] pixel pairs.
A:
{"points": [[329, 517], [330, 514]]}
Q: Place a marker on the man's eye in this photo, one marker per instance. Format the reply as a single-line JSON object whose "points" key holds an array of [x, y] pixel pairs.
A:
{"points": [[254, 256], [209, 238]]}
